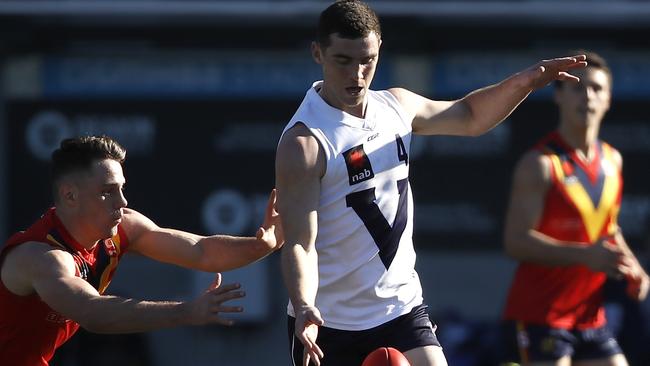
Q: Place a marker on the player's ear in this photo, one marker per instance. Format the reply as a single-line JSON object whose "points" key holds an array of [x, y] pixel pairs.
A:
{"points": [[316, 52], [68, 193]]}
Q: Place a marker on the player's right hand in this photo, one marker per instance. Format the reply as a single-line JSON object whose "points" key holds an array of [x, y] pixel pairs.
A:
{"points": [[206, 308], [638, 284], [606, 257], [308, 320]]}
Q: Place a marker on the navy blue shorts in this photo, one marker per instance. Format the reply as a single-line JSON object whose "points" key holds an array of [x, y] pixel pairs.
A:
{"points": [[350, 348], [536, 343]]}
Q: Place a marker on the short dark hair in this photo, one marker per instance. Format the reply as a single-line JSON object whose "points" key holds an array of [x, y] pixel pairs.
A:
{"points": [[351, 19], [593, 60], [79, 153]]}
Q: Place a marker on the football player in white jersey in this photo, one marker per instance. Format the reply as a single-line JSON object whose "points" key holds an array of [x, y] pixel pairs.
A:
{"points": [[343, 194]]}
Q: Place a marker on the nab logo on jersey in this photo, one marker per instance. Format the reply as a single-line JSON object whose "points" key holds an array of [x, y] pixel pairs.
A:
{"points": [[359, 168]]}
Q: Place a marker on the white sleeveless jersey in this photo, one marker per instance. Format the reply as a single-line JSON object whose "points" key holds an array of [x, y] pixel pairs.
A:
{"points": [[364, 243]]}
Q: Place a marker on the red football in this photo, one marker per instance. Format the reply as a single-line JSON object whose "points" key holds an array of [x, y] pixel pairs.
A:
{"points": [[385, 356]]}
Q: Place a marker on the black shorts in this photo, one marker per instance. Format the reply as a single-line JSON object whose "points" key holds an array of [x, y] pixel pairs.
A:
{"points": [[536, 343], [350, 348]]}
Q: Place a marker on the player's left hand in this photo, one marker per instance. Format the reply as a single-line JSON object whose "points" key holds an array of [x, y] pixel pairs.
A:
{"points": [[271, 230], [546, 71]]}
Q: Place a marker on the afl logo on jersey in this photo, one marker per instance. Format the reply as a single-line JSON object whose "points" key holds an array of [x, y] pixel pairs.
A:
{"points": [[571, 179], [111, 250], [358, 164]]}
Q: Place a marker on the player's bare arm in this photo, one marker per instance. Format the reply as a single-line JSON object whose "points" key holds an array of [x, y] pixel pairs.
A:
{"points": [[637, 277], [300, 164], [50, 273], [483, 109], [206, 253], [531, 180]]}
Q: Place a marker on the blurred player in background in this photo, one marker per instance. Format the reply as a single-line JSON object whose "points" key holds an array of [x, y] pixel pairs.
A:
{"points": [[54, 274], [343, 193], [562, 226]]}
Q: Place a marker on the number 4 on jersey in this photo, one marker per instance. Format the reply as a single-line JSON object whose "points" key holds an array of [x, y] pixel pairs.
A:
{"points": [[402, 155]]}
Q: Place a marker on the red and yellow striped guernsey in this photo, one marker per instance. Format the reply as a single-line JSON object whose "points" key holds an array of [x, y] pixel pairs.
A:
{"points": [[30, 331], [581, 205]]}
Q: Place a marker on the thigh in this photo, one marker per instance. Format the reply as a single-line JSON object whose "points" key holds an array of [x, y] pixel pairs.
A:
{"points": [[597, 346], [615, 360], [409, 331], [563, 361], [536, 345], [340, 348], [349, 348], [426, 356]]}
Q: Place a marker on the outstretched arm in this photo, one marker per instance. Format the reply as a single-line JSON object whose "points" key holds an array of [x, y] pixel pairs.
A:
{"points": [[523, 242], [300, 164], [483, 109], [50, 273], [215, 253]]}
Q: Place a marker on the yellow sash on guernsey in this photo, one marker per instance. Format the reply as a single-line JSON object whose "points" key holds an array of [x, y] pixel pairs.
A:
{"points": [[105, 280], [593, 217]]}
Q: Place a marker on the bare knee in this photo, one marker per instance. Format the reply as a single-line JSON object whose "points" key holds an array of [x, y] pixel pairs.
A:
{"points": [[426, 356], [615, 360]]}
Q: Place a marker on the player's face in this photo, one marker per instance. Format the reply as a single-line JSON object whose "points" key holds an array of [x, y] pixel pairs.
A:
{"points": [[585, 103], [348, 68], [101, 199]]}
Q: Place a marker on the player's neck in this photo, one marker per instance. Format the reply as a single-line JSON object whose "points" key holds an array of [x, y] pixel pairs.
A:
{"points": [[583, 140], [358, 111], [75, 229]]}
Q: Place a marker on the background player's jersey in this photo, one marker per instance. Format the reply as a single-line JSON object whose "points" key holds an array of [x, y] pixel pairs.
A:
{"points": [[30, 331], [581, 206], [365, 250]]}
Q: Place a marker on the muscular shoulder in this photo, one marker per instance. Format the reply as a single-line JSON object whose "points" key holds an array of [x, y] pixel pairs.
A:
{"points": [[433, 117], [410, 101], [29, 261], [299, 151], [616, 157], [135, 224], [533, 169], [34, 254]]}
